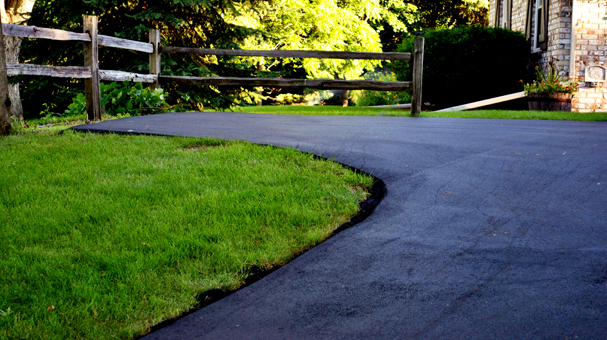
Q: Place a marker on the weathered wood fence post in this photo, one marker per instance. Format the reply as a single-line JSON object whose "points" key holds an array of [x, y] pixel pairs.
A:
{"points": [[418, 72], [91, 59], [155, 57], [5, 102]]}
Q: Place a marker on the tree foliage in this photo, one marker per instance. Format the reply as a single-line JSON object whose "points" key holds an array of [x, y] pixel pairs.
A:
{"points": [[193, 23], [343, 25], [431, 14], [323, 25], [450, 13]]}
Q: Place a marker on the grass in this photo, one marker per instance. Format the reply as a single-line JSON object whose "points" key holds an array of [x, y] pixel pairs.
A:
{"points": [[504, 114], [54, 120], [324, 110], [367, 111], [104, 236]]}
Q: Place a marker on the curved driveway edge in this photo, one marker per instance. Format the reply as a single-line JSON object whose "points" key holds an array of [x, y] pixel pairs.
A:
{"points": [[491, 229]]}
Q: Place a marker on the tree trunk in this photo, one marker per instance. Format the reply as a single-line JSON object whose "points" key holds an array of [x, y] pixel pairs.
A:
{"points": [[345, 98], [5, 107], [13, 45], [15, 12]]}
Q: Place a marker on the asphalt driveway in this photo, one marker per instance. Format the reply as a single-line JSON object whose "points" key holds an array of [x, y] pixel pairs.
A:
{"points": [[490, 229]]}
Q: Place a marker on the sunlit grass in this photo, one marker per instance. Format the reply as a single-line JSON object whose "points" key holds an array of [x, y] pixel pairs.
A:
{"points": [[505, 114], [368, 111], [104, 236], [324, 110]]}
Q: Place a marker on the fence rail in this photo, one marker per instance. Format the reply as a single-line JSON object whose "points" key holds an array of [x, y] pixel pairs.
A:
{"points": [[91, 73], [289, 54], [321, 84], [61, 35], [51, 71]]}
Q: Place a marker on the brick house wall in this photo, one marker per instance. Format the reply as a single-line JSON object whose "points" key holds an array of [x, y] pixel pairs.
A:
{"points": [[590, 42]]}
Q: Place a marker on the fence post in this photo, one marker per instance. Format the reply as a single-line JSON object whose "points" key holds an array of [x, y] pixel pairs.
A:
{"points": [[91, 60], [155, 57], [5, 102], [418, 72]]}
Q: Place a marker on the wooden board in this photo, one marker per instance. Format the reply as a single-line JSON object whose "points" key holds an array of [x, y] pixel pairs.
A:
{"points": [[42, 33], [54, 34], [333, 84], [51, 71], [290, 54], [108, 41], [485, 102], [154, 37], [127, 76]]}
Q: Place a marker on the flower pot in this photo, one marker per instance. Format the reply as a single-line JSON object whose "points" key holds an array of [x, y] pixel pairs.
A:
{"points": [[549, 101]]}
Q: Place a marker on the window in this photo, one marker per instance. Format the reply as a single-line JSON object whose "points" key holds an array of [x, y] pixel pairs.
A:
{"points": [[503, 14], [537, 24]]}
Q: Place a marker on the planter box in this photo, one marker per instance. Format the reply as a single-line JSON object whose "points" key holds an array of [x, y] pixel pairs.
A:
{"points": [[549, 102]]}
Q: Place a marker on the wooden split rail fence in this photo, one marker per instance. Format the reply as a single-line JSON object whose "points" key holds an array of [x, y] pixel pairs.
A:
{"points": [[91, 73]]}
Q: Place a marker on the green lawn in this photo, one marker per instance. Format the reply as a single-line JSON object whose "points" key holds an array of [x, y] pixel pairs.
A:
{"points": [[104, 236], [367, 111]]}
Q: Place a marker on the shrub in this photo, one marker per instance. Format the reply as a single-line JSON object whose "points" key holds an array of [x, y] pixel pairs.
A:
{"points": [[119, 99], [374, 98], [468, 64]]}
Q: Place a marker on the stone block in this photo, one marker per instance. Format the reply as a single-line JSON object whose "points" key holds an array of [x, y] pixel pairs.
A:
{"points": [[587, 100]]}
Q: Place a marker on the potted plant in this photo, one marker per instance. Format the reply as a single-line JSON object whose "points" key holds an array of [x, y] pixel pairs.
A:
{"points": [[550, 92]]}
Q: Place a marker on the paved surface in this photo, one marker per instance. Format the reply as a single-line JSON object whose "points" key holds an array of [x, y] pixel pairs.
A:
{"points": [[491, 229]]}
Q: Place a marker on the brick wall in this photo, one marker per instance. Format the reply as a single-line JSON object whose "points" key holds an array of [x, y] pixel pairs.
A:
{"points": [[559, 36], [519, 14], [590, 47]]}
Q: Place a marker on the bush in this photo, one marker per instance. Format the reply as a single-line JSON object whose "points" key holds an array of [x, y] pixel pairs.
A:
{"points": [[468, 64], [120, 99], [375, 98]]}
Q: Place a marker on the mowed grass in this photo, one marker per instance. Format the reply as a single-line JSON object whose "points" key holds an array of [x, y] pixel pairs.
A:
{"points": [[104, 236], [507, 114], [368, 111], [324, 110]]}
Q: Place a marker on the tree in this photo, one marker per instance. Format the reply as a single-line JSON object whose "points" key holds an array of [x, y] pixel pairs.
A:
{"points": [[15, 12], [451, 13], [325, 25], [5, 115], [193, 23], [430, 14]]}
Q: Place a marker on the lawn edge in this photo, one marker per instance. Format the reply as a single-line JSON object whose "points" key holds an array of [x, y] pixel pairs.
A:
{"points": [[378, 191]]}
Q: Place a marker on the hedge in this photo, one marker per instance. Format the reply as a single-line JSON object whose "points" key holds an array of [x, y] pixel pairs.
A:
{"points": [[467, 64]]}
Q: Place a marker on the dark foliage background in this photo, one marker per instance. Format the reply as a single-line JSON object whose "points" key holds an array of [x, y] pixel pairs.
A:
{"points": [[467, 64]]}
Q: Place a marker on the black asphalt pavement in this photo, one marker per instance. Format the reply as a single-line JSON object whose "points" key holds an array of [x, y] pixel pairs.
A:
{"points": [[490, 229]]}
